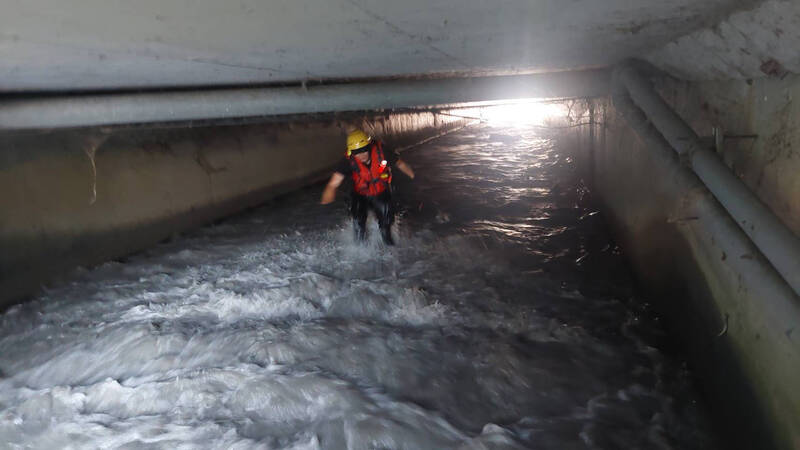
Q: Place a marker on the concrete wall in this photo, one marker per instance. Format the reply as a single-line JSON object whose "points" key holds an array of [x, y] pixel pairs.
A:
{"points": [[739, 321], [80, 197], [764, 107]]}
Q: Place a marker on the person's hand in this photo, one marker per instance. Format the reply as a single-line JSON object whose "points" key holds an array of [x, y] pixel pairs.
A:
{"points": [[329, 194], [405, 168]]}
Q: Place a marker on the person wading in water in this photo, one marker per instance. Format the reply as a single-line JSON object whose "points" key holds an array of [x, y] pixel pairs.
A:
{"points": [[371, 171]]}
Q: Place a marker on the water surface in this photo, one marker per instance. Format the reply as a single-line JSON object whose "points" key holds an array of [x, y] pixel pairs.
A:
{"points": [[505, 318]]}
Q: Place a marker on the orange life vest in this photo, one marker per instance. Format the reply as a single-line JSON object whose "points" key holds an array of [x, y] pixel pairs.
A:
{"points": [[371, 181]]}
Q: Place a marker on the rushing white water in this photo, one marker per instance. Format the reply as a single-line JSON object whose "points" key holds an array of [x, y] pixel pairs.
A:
{"points": [[274, 330]]}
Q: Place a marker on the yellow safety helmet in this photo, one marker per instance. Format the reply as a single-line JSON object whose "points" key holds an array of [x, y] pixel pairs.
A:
{"points": [[356, 140]]}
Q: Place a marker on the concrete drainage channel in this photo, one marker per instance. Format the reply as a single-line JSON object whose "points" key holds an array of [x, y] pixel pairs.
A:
{"points": [[110, 159], [83, 195]]}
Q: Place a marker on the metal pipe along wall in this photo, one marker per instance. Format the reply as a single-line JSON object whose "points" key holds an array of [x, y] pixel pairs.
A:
{"points": [[130, 108], [772, 237]]}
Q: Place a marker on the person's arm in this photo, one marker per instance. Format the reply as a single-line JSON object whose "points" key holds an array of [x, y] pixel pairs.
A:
{"points": [[329, 194], [405, 168]]}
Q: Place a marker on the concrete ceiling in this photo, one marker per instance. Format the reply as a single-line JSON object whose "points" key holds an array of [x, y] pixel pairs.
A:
{"points": [[115, 44], [760, 42]]}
